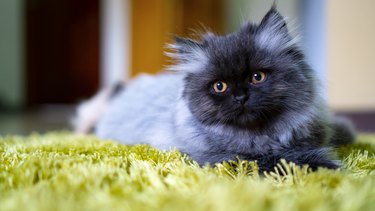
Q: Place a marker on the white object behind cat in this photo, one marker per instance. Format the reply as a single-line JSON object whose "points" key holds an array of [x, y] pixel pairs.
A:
{"points": [[115, 41]]}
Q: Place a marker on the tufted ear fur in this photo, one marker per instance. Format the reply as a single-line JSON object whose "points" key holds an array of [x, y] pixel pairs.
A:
{"points": [[272, 32], [190, 55], [186, 46], [273, 21]]}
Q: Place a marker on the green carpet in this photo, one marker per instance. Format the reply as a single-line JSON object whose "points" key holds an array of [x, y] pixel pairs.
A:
{"points": [[59, 171]]}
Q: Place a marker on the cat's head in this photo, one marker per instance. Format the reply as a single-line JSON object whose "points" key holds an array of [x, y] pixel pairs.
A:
{"points": [[245, 79]]}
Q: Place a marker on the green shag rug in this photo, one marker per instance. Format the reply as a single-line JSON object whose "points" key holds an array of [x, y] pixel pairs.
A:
{"points": [[60, 171]]}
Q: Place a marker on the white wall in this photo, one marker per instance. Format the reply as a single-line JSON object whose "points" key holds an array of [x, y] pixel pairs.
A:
{"points": [[313, 16], [351, 54], [115, 41], [11, 52]]}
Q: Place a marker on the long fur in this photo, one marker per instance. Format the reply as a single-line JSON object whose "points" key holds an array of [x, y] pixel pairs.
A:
{"points": [[284, 117]]}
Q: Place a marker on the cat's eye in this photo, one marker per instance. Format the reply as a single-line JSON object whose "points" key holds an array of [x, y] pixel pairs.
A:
{"points": [[258, 77], [220, 86]]}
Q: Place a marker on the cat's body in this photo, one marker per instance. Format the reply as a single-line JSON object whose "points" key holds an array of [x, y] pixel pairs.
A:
{"points": [[249, 94]]}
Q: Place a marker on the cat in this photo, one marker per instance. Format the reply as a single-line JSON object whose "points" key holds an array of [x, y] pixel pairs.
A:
{"points": [[249, 95]]}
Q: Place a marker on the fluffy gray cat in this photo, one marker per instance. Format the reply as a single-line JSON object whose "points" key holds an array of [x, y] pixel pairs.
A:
{"points": [[248, 95]]}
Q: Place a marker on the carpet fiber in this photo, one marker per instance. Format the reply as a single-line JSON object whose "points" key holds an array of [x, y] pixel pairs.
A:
{"points": [[60, 171]]}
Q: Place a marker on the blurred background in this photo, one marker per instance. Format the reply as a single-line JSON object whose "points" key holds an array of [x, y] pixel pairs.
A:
{"points": [[54, 54]]}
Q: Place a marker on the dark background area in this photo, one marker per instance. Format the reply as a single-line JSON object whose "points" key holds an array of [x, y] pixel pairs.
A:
{"points": [[62, 51]]}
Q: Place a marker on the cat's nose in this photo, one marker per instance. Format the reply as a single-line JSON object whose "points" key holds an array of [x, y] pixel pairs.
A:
{"points": [[241, 99]]}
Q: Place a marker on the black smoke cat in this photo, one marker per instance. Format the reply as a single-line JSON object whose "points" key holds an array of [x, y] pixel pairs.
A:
{"points": [[249, 94]]}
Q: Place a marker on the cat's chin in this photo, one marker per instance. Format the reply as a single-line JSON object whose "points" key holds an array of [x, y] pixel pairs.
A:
{"points": [[246, 120], [246, 124]]}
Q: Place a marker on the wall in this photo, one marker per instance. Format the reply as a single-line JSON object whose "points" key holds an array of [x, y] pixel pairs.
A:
{"points": [[115, 41], [239, 11], [351, 54], [11, 53]]}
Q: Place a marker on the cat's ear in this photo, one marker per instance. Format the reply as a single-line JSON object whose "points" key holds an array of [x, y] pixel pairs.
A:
{"points": [[186, 47], [189, 53], [272, 33], [274, 22]]}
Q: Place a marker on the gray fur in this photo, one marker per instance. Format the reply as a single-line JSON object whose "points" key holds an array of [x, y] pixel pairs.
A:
{"points": [[285, 117]]}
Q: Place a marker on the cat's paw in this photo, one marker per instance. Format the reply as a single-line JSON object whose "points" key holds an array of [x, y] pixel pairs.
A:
{"points": [[301, 156], [311, 156]]}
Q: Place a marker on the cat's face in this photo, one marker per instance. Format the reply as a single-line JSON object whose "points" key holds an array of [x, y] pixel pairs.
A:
{"points": [[246, 79]]}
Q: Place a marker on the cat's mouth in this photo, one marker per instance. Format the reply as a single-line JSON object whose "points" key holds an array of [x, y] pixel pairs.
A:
{"points": [[243, 115], [243, 111]]}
